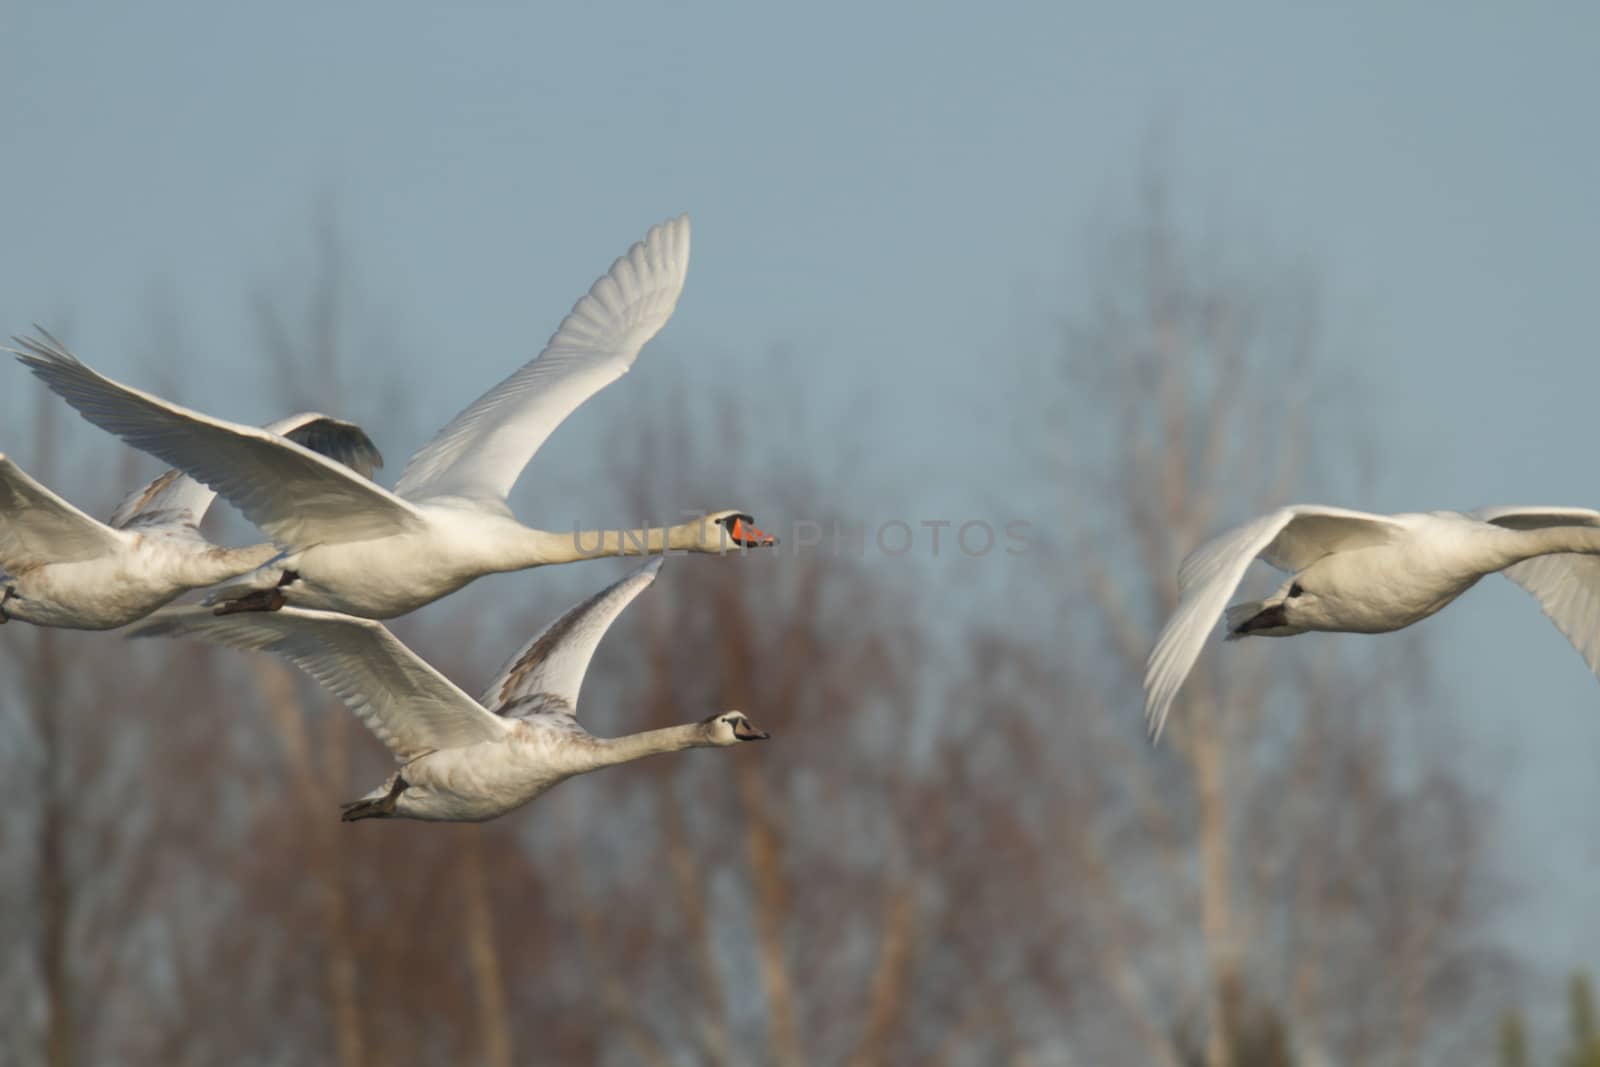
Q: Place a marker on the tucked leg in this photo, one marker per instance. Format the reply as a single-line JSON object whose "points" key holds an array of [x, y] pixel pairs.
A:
{"points": [[260, 600], [380, 808]]}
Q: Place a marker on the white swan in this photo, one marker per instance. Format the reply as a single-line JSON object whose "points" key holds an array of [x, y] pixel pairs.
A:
{"points": [[365, 551], [461, 760], [59, 567], [1360, 573]]}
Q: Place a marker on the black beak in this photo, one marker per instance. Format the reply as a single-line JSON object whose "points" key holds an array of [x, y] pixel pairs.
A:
{"points": [[745, 732], [1266, 619]]}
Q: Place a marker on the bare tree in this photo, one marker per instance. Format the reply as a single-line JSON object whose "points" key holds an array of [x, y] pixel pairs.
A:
{"points": [[958, 849], [1295, 847], [112, 833]]}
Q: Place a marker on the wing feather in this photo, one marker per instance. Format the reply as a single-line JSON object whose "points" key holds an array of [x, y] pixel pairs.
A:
{"points": [[295, 495], [1290, 538], [552, 665], [1567, 586], [37, 526], [482, 452], [409, 705], [174, 497]]}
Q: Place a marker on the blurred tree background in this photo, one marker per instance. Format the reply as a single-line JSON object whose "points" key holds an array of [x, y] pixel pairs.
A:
{"points": [[1582, 1047], [958, 848]]}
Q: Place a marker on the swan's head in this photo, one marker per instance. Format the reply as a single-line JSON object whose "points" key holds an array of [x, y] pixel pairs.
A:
{"points": [[730, 728], [722, 530]]}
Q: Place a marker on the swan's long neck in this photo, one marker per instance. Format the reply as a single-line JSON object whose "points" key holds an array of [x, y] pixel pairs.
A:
{"points": [[541, 546], [609, 751], [1548, 541]]}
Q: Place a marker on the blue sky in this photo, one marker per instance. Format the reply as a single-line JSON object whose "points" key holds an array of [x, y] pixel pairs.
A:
{"points": [[891, 195]]}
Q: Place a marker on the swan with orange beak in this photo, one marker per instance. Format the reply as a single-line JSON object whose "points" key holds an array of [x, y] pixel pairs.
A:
{"points": [[742, 531], [355, 547]]}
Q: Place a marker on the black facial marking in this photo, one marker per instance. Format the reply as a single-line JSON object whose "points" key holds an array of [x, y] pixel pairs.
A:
{"points": [[288, 578], [1295, 590]]}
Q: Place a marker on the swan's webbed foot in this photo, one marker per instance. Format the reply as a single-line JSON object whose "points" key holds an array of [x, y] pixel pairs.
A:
{"points": [[381, 808], [260, 600]]}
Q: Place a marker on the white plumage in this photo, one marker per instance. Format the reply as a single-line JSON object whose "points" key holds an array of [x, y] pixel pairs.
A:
{"points": [[1360, 573], [360, 549], [59, 567], [461, 759]]}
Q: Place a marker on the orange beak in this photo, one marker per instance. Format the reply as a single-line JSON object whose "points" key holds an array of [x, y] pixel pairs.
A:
{"points": [[746, 534]]}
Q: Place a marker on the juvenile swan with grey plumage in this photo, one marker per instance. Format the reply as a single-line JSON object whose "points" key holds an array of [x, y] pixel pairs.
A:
{"points": [[59, 567], [365, 551], [1360, 573], [462, 760]]}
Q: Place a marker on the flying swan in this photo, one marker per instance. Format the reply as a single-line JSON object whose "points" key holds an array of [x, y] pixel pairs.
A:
{"points": [[1359, 573], [461, 760], [59, 567], [358, 548]]}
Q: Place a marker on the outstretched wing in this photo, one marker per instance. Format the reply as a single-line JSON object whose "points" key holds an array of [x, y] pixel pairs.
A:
{"points": [[176, 498], [1290, 539], [342, 441], [1534, 518], [411, 707], [483, 450], [37, 526], [545, 674], [1567, 586], [295, 495]]}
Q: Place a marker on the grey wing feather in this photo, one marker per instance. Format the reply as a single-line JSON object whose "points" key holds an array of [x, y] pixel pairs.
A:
{"points": [[545, 674], [341, 441], [176, 498], [172, 497]]}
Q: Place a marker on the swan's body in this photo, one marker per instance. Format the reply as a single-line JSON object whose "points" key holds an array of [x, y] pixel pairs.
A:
{"points": [[462, 760], [360, 549], [59, 567], [456, 543], [1360, 573]]}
